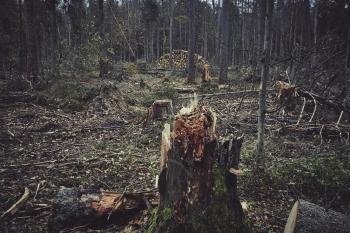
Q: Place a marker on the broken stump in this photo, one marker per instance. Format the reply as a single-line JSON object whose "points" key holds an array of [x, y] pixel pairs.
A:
{"points": [[198, 193]]}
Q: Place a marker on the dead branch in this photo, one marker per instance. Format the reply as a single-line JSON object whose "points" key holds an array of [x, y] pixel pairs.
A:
{"points": [[302, 111], [225, 93], [13, 209]]}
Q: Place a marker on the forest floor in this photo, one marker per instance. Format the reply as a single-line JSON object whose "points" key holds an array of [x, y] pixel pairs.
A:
{"points": [[90, 133]]}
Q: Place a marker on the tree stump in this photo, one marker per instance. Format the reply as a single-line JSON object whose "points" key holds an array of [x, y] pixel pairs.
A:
{"points": [[160, 109], [205, 73], [306, 217], [198, 193]]}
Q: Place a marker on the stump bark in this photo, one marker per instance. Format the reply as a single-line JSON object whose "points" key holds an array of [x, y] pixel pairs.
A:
{"points": [[198, 193]]}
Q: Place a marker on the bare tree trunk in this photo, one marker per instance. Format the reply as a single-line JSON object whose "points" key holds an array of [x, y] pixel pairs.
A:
{"points": [[263, 84], [22, 40], [314, 55], [225, 40], [218, 32], [33, 42], [192, 42], [347, 62], [171, 33], [205, 39], [103, 62]]}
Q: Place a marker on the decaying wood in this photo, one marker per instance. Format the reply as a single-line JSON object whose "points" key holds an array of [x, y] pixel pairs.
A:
{"points": [[76, 207], [160, 109], [13, 209], [307, 217], [188, 188], [286, 95]]}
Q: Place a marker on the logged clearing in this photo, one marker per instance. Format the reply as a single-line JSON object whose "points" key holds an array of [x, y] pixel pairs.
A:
{"points": [[96, 138]]}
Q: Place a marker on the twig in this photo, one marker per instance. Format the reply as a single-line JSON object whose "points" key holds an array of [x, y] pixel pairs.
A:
{"points": [[340, 117], [13, 209], [302, 111], [321, 135], [48, 162], [37, 189]]}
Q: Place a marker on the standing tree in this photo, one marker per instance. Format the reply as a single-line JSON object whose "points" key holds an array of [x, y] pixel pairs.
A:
{"points": [[225, 39], [33, 33], [171, 33], [192, 42], [263, 83]]}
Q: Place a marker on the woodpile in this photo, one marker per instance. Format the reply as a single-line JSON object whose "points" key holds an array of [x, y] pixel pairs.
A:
{"points": [[180, 59]]}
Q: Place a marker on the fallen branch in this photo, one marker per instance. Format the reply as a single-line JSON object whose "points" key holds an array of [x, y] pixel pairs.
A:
{"points": [[38, 164], [225, 93], [302, 111], [13, 209]]}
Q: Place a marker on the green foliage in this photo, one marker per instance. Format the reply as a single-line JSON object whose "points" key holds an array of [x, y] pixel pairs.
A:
{"points": [[101, 145], [219, 217], [208, 87], [131, 69], [312, 173], [165, 93], [71, 96], [159, 219]]}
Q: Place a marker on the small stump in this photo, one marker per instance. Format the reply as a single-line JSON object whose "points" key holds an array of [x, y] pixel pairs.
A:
{"points": [[160, 109], [205, 73]]}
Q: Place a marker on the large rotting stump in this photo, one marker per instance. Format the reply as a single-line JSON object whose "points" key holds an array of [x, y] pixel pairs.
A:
{"points": [[198, 192]]}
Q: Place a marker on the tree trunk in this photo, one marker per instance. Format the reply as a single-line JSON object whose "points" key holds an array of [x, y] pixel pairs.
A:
{"points": [[263, 84], [197, 184], [171, 33], [103, 56], [192, 42], [306, 217], [22, 41], [33, 42], [225, 40], [347, 62]]}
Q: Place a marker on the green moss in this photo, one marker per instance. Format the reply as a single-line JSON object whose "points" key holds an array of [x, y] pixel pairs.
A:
{"points": [[153, 221], [219, 217], [101, 145], [160, 220]]}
